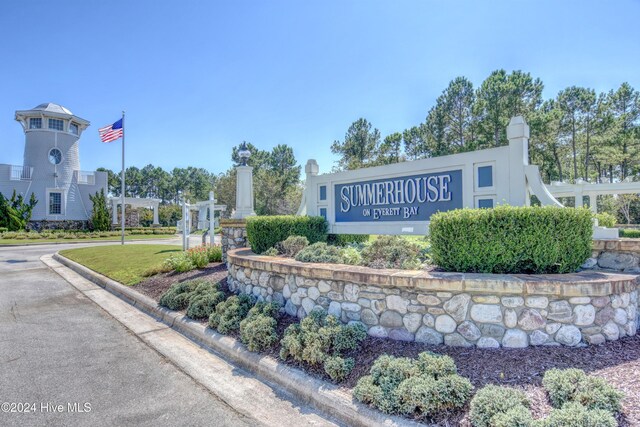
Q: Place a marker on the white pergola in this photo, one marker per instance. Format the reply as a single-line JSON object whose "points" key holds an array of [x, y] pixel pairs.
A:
{"points": [[135, 203], [581, 189]]}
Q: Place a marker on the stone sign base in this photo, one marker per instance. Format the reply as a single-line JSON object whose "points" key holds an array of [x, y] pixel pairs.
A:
{"points": [[619, 254], [485, 310]]}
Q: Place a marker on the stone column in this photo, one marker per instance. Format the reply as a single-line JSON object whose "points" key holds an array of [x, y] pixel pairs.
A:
{"points": [[518, 136], [234, 235], [244, 192]]}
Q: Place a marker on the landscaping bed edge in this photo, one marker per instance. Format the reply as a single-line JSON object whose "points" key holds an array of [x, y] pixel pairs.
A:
{"points": [[320, 394]]}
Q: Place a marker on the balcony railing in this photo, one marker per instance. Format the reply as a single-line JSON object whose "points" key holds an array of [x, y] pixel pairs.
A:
{"points": [[21, 173], [86, 178]]}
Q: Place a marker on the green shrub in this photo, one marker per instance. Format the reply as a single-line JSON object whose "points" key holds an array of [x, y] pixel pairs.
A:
{"points": [[228, 314], [338, 368], [493, 400], [292, 245], [177, 296], [320, 252], [264, 232], [629, 233], [606, 220], [3, 229], [576, 415], [320, 339], [270, 252], [518, 416], [181, 263], [391, 252], [215, 253], [352, 255], [346, 239], [510, 239], [424, 386], [573, 385], [203, 301], [258, 331], [199, 256]]}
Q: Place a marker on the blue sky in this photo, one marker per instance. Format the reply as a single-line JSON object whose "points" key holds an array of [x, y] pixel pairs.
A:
{"points": [[198, 77]]}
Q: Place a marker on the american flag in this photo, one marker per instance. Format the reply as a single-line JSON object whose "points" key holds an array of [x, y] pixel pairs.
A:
{"points": [[112, 132]]}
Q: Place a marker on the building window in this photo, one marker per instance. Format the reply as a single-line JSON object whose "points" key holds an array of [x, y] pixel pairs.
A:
{"points": [[55, 203], [485, 203], [323, 192], [485, 176], [35, 123], [55, 156], [73, 128], [56, 124], [323, 212]]}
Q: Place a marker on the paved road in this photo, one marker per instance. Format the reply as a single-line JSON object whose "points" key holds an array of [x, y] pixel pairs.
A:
{"points": [[59, 348]]}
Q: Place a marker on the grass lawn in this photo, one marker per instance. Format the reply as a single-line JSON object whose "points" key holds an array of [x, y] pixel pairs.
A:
{"points": [[93, 239], [125, 264]]}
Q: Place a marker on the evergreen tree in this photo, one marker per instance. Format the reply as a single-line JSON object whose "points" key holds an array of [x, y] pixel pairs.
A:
{"points": [[100, 220]]}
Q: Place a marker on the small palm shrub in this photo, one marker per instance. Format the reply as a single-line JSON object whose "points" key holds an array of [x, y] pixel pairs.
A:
{"points": [[320, 252], [258, 331], [493, 404], [573, 385], [321, 339], [228, 314], [292, 245], [421, 387]]}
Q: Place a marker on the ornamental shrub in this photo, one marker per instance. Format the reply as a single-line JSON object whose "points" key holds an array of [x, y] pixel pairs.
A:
{"points": [[258, 331], [228, 314], [391, 252], [265, 232], [270, 252], [518, 416], [319, 339], [629, 233], [214, 252], [352, 255], [180, 262], [606, 220], [423, 387], [320, 252], [346, 239], [203, 301], [199, 256], [576, 415], [573, 385], [491, 401], [292, 245], [100, 220], [510, 239], [177, 296]]}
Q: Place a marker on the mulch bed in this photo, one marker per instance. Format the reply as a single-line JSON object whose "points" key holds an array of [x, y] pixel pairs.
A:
{"points": [[618, 362]]}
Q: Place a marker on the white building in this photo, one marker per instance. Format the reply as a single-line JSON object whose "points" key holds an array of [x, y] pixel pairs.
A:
{"points": [[51, 168]]}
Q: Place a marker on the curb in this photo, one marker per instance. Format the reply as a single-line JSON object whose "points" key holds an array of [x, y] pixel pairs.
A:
{"points": [[319, 394]]}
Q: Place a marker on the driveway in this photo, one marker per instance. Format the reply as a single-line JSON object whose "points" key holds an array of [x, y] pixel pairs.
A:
{"points": [[70, 363]]}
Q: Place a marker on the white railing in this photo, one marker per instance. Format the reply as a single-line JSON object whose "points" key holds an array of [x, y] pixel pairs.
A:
{"points": [[86, 178], [21, 173]]}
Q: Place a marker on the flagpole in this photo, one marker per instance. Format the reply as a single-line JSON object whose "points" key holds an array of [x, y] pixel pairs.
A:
{"points": [[122, 181]]}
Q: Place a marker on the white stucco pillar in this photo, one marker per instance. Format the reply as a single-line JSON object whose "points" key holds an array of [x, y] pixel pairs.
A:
{"points": [[114, 210], [244, 192], [518, 136], [578, 198], [308, 203], [156, 221]]}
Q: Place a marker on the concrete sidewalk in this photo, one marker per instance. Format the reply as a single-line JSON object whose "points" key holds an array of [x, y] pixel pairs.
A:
{"points": [[252, 398]]}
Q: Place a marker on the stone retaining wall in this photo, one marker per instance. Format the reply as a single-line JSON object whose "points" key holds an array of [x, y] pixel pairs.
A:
{"points": [[620, 254], [456, 309], [232, 236]]}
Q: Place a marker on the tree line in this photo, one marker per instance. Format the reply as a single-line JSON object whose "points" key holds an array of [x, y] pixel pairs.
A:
{"points": [[578, 134]]}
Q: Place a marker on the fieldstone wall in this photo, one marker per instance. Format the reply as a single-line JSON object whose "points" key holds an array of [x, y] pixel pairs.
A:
{"points": [[620, 254], [57, 225], [233, 235], [484, 310]]}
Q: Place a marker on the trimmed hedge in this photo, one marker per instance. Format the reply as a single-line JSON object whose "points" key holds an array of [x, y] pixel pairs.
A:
{"points": [[265, 232], [629, 233], [510, 239]]}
